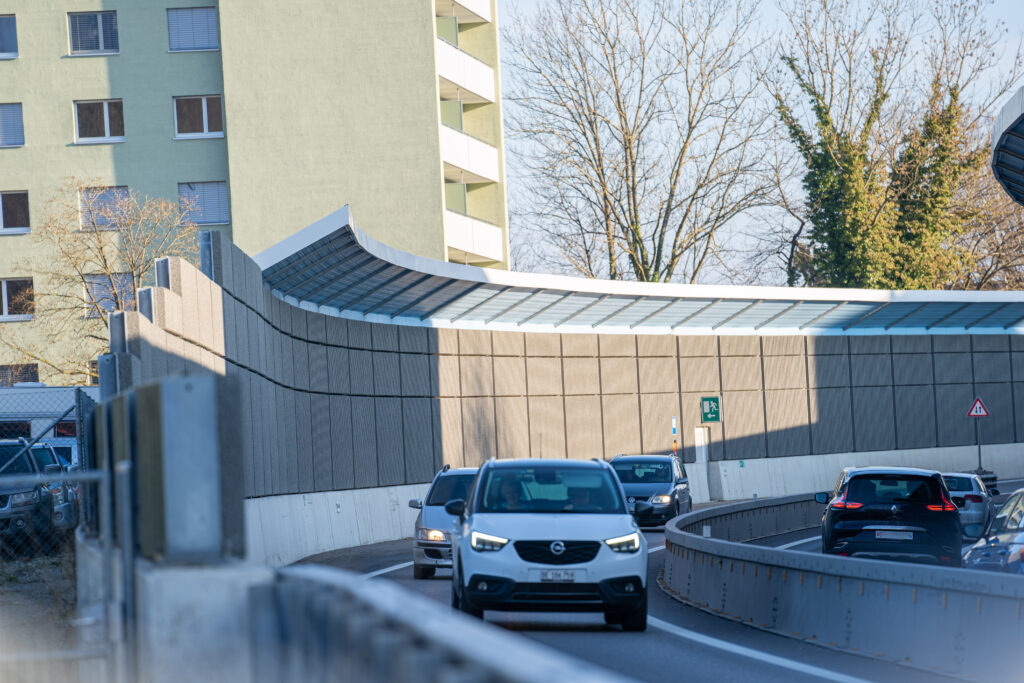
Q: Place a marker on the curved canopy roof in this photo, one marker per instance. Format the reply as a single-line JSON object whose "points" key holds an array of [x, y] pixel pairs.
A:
{"points": [[335, 268], [1008, 147]]}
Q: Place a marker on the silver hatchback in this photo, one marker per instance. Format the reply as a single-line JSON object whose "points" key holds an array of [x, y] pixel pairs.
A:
{"points": [[432, 544], [973, 499]]}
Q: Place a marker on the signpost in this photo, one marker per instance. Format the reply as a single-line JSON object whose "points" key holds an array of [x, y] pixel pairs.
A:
{"points": [[710, 409], [978, 409]]}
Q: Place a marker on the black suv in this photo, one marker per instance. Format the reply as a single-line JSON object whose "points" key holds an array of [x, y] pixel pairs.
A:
{"points": [[891, 513], [42, 514], [657, 479]]}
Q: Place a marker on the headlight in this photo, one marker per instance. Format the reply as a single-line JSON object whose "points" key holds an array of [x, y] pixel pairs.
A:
{"points": [[58, 495], [625, 544], [485, 542], [432, 535], [661, 500], [26, 498]]}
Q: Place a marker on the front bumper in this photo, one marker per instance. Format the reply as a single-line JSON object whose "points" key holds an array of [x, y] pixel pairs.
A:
{"points": [[426, 554], [622, 593], [20, 520]]}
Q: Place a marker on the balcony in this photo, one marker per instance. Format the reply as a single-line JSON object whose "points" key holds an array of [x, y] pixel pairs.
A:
{"points": [[463, 76], [471, 240], [467, 159], [467, 11]]}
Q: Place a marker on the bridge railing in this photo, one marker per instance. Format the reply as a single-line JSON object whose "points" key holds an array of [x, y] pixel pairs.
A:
{"points": [[957, 621]]}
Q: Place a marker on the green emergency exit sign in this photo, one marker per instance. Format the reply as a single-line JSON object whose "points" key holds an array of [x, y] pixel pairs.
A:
{"points": [[710, 409]]}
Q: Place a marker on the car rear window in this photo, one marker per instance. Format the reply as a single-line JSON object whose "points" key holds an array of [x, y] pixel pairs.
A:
{"points": [[450, 487], [959, 483], [893, 488], [652, 472], [550, 489], [19, 466]]}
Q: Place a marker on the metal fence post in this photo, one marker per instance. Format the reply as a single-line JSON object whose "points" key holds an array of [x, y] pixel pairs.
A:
{"points": [[123, 470]]}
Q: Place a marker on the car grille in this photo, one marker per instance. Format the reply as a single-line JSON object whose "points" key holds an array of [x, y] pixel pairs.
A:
{"points": [[540, 551], [4, 500], [564, 592]]}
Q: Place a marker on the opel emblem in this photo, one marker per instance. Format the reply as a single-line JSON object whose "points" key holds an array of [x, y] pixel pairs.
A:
{"points": [[632, 499], [894, 509], [556, 547]]}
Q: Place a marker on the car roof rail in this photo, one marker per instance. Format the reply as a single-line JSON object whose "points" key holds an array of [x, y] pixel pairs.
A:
{"points": [[447, 466]]}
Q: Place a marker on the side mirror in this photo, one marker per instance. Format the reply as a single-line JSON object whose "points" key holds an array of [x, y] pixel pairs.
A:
{"points": [[416, 504], [993, 492], [821, 498], [74, 469], [682, 480], [642, 510], [455, 508], [53, 469]]}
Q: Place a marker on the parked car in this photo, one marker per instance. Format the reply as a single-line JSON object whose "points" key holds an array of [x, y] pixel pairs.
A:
{"points": [[972, 498], [41, 514], [550, 536], [432, 547], [891, 513], [1001, 546], [657, 479]]}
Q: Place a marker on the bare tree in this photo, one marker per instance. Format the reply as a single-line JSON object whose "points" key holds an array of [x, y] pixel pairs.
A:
{"points": [[95, 248], [640, 130]]}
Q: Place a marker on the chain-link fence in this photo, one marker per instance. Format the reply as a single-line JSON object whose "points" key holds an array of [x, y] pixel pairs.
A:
{"points": [[57, 591]]}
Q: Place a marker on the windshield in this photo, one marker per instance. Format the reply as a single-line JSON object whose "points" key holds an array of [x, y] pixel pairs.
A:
{"points": [[550, 488], [893, 488], [651, 472], [43, 457], [1010, 517], [450, 487], [19, 466], [959, 483]]}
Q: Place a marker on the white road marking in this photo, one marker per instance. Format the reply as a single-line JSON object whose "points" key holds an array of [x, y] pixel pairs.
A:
{"points": [[750, 653], [787, 546], [654, 550], [387, 570]]}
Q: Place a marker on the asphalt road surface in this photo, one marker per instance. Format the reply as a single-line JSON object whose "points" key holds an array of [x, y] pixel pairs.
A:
{"points": [[680, 642]]}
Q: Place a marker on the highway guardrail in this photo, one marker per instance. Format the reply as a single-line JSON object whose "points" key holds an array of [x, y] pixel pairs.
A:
{"points": [[956, 621]]}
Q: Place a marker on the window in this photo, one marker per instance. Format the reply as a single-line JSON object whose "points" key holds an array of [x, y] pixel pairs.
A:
{"points": [[209, 202], [113, 292], [93, 33], [8, 37], [13, 212], [11, 375], [192, 28], [66, 428], [12, 131], [198, 117], [102, 207], [14, 430], [100, 121], [16, 299]]}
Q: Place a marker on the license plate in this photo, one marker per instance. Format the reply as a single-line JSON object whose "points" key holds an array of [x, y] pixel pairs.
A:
{"points": [[895, 535], [558, 575]]}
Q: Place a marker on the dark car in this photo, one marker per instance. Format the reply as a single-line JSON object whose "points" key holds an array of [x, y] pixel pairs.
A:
{"points": [[1001, 547], [891, 513], [40, 514], [657, 479]]}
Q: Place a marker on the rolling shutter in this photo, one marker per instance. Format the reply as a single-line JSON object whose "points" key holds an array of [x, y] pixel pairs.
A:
{"points": [[12, 132], [193, 28], [210, 201]]}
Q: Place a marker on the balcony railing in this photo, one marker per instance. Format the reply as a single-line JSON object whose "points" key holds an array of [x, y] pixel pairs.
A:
{"points": [[476, 159], [464, 71], [474, 236]]}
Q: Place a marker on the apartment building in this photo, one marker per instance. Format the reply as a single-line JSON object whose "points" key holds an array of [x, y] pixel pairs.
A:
{"points": [[266, 115]]}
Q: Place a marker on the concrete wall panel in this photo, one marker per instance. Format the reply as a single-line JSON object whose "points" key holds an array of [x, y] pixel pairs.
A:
{"points": [[415, 371], [952, 368], [658, 375], [990, 343], [390, 440], [828, 346], [912, 368], [543, 344], [418, 438], [544, 376], [361, 372], [359, 335], [828, 371], [697, 346], [384, 337], [304, 440], [874, 424], [451, 431], [741, 373], [508, 343], [911, 343], [618, 376], [342, 457], [950, 343], [509, 376], [743, 415], [656, 345], [831, 421], [547, 427], [782, 346], [323, 470], [785, 372], [612, 345], [871, 370], [787, 418], [475, 342], [869, 344], [582, 376], [740, 346], [477, 376], [584, 345], [413, 339], [952, 401], [318, 374], [447, 375], [656, 413], [387, 380], [337, 370], [447, 342], [991, 367], [999, 426], [621, 424], [364, 441], [699, 374], [583, 427], [915, 416], [478, 430], [512, 429]]}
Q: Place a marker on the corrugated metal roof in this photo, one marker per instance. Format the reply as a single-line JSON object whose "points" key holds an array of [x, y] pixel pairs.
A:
{"points": [[335, 268]]}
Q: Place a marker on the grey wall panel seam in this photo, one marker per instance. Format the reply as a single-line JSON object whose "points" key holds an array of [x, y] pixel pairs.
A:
{"points": [[565, 417], [807, 393], [935, 393], [764, 403], [892, 383], [639, 403], [724, 422], [1013, 394], [849, 387]]}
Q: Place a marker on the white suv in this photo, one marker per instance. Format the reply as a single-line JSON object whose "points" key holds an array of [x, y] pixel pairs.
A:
{"points": [[549, 535]]}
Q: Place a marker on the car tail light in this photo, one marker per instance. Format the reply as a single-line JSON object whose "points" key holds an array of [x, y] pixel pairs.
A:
{"points": [[946, 506], [974, 498], [842, 504]]}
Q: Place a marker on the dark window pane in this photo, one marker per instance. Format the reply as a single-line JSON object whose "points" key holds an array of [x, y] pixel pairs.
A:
{"points": [[190, 114], [43, 457], [8, 36], [14, 210], [20, 297], [109, 20], [85, 32], [116, 113], [11, 374], [213, 115], [90, 120], [67, 428]]}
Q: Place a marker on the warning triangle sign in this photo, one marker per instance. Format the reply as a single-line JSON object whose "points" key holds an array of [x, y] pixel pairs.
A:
{"points": [[978, 409]]}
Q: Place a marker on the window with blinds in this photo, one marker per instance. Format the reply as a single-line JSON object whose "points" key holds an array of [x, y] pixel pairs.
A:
{"points": [[205, 203], [12, 131], [108, 292], [14, 212], [8, 37], [192, 28], [93, 33], [102, 208]]}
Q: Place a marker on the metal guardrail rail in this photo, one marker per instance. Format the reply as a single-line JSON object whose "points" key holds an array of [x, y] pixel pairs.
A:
{"points": [[956, 621], [319, 623]]}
